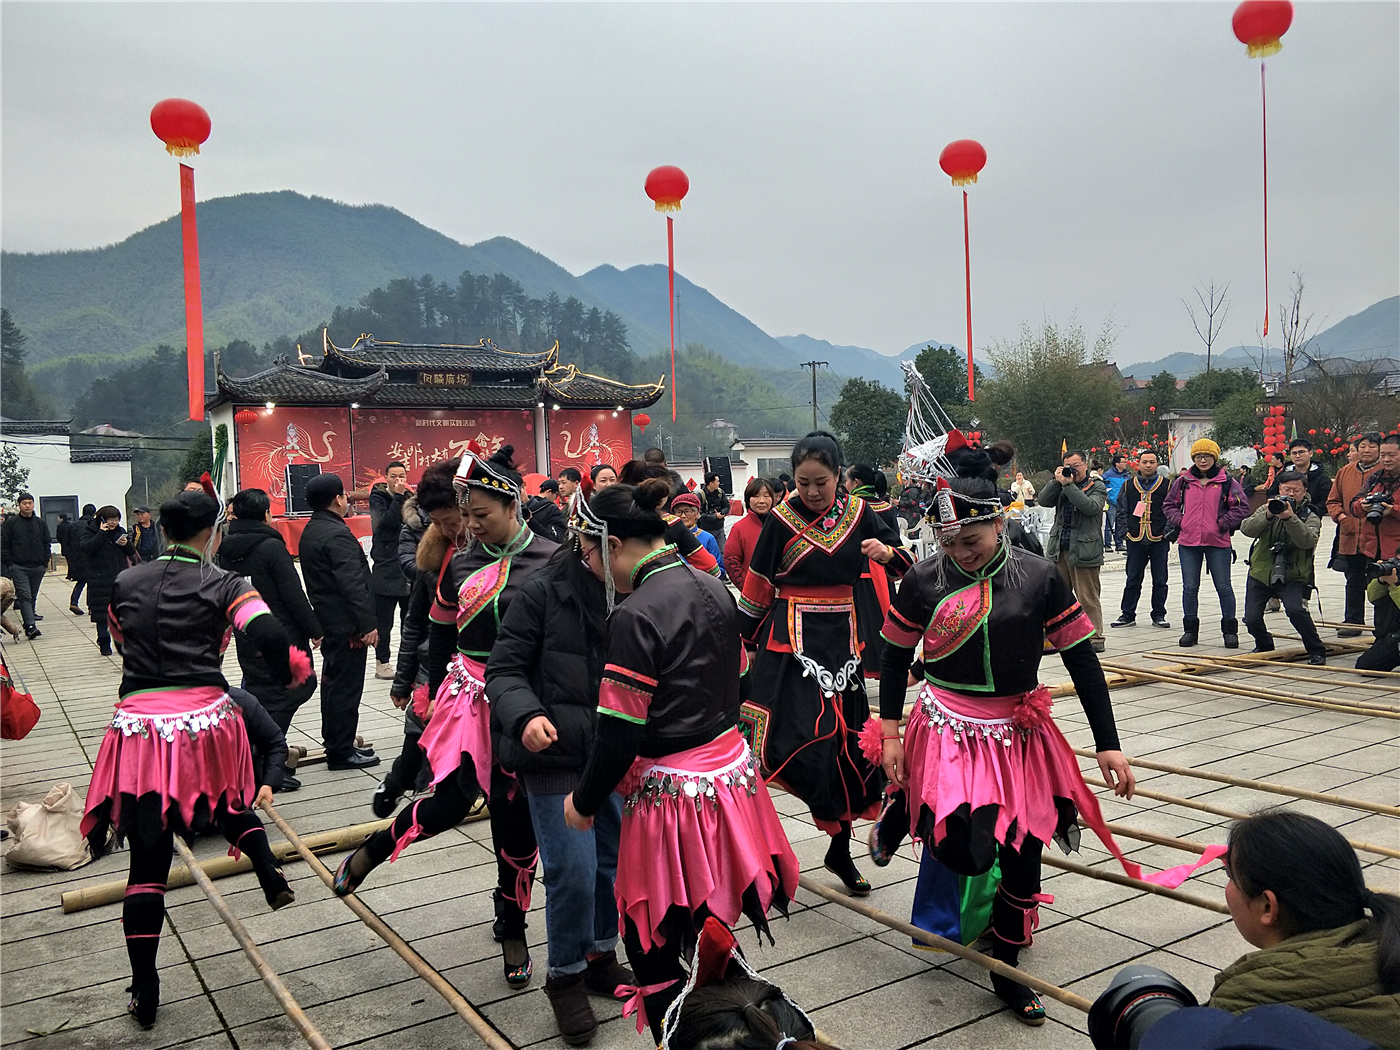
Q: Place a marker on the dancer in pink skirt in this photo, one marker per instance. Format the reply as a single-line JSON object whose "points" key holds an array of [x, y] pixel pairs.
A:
{"points": [[986, 775], [700, 836], [474, 588], [176, 759]]}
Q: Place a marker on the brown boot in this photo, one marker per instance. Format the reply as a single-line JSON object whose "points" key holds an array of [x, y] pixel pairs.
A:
{"points": [[572, 1012]]}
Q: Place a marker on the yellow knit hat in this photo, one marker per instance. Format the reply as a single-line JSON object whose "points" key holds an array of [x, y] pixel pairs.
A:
{"points": [[1208, 446]]}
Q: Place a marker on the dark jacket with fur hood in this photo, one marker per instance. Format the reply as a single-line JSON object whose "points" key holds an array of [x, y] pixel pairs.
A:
{"points": [[431, 550]]}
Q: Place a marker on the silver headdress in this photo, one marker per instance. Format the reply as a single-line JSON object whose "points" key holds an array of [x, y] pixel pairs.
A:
{"points": [[583, 522]]}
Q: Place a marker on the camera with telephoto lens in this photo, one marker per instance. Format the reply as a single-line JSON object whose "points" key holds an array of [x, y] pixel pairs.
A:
{"points": [[1279, 569], [1067, 473], [1375, 505], [1136, 999], [1278, 503], [1376, 569]]}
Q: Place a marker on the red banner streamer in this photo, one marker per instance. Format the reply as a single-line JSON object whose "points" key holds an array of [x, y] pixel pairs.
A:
{"points": [[194, 312], [671, 285], [967, 277], [1264, 115]]}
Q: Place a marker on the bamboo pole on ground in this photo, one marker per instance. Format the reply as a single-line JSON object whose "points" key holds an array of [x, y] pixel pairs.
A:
{"points": [[1178, 678], [1230, 814], [478, 1024], [1344, 626], [1208, 665], [1104, 875], [1246, 660], [269, 976], [325, 842], [1258, 785], [943, 944]]}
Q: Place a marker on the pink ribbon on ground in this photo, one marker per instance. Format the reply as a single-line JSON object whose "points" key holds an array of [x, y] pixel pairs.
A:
{"points": [[633, 1000], [1174, 877]]}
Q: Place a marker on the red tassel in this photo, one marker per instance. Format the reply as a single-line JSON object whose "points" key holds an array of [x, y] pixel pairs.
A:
{"points": [[301, 665]]}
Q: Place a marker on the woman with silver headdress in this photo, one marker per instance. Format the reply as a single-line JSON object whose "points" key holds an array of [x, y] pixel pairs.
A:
{"points": [[475, 587], [985, 774], [175, 759], [700, 837]]}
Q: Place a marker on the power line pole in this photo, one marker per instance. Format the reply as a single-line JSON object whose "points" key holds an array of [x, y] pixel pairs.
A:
{"points": [[814, 365]]}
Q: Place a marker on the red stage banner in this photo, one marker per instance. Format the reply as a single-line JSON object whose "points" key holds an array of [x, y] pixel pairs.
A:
{"points": [[583, 439], [281, 437], [194, 310], [420, 437]]}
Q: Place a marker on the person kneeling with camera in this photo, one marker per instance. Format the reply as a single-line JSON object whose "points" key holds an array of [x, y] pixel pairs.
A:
{"points": [[1383, 591], [1285, 531]]}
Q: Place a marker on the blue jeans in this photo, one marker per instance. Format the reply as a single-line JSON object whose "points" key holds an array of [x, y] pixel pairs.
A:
{"points": [[1217, 562], [580, 911], [1110, 517]]}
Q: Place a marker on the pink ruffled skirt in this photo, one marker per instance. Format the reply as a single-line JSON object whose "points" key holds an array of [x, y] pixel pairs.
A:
{"points": [[460, 728], [698, 828], [171, 759], [1001, 752]]}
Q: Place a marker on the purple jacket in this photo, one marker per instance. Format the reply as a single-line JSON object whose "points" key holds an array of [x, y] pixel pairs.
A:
{"points": [[1205, 510]]}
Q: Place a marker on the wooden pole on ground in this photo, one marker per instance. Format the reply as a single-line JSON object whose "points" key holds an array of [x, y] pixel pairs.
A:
{"points": [[478, 1024], [1258, 785], [1209, 665], [269, 976], [943, 944], [324, 843], [1254, 659], [1104, 875]]}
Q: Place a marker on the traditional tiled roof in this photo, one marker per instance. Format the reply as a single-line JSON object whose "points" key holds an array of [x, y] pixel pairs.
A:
{"points": [[286, 382], [485, 356], [480, 396], [99, 455], [568, 387], [37, 427]]}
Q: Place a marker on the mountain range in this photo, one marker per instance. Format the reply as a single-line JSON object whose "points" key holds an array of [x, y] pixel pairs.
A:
{"points": [[279, 263]]}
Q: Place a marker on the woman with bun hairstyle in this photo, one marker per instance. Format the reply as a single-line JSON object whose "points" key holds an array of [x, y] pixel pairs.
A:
{"points": [[176, 759], [677, 534], [700, 837], [475, 586], [807, 695], [1297, 893], [874, 589]]}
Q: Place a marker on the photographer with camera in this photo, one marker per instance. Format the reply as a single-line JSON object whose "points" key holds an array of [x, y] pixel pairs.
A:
{"points": [[1383, 590], [1379, 537], [1075, 543], [1346, 556], [1285, 531]]}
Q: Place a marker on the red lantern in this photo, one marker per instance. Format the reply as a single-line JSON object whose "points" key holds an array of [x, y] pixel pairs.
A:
{"points": [[181, 124], [1115, 419], [1152, 408], [1260, 25], [1312, 433], [245, 416], [962, 160], [667, 186], [1327, 430], [641, 420], [1144, 422]]}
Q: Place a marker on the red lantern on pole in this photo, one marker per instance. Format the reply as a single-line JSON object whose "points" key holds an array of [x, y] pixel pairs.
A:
{"points": [[667, 186], [641, 420], [1260, 25], [245, 416], [183, 126], [961, 161]]}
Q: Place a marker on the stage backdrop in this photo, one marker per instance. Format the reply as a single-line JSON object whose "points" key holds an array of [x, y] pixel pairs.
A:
{"points": [[282, 436], [583, 439], [420, 437]]}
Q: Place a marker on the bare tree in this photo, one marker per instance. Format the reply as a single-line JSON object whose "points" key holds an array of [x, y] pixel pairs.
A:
{"points": [[1294, 327], [1214, 306], [1342, 396]]}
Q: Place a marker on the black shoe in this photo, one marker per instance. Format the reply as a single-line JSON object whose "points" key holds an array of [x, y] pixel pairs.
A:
{"points": [[1161, 621], [362, 750], [1192, 632], [277, 891], [1230, 630], [145, 1000], [1097, 644], [1349, 632], [31, 632], [1124, 621], [346, 881], [289, 783], [1025, 1005], [75, 610], [1318, 659], [573, 1013], [838, 862], [105, 650], [38, 616], [354, 760], [515, 959], [605, 974], [383, 802], [1260, 647]]}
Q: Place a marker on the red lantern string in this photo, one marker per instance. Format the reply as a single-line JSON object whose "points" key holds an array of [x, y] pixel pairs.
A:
{"points": [[1264, 121], [666, 186], [961, 161]]}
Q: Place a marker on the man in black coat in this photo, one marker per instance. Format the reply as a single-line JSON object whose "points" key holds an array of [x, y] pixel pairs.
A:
{"points": [[77, 565], [543, 515], [338, 584], [25, 549], [386, 500], [253, 548]]}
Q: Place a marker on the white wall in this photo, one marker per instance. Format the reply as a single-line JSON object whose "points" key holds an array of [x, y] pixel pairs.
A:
{"points": [[51, 473]]}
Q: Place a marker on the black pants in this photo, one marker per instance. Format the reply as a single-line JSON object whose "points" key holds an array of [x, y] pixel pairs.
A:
{"points": [[27, 580], [342, 686], [104, 634], [1140, 555], [279, 700], [384, 607], [411, 764], [1294, 598], [1354, 566], [1384, 654], [663, 963], [77, 592]]}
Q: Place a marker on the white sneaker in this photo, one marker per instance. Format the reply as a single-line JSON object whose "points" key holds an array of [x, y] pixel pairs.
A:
{"points": [[384, 671]]}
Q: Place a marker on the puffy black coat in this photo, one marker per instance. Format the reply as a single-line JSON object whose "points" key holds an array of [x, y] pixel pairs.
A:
{"points": [[548, 660], [256, 550], [78, 532], [337, 575], [265, 737], [415, 523], [103, 559], [386, 516], [546, 519]]}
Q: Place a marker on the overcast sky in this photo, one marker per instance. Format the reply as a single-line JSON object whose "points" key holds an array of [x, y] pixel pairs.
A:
{"points": [[1123, 141]]}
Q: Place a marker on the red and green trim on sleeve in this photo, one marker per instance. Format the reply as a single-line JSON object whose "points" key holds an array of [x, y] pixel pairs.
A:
{"points": [[1068, 628], [626, 693]]}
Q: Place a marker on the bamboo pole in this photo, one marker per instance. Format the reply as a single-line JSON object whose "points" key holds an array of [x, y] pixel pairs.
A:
{"points": [[478, 1024], [1252, 659], [1344, 626], [943, 944], [269, 976], [1176, 678], [1258, 785], [1138, 884], [1230, 814], [1208, 665], [1126, 832], [324, 842]]}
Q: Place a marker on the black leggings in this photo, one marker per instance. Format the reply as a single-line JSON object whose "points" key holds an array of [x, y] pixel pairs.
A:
{"points": [[143, 909], [663, 963], [512, 834]]}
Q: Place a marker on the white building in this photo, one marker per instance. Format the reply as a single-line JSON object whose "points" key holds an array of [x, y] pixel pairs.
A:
{"points": [[62, 478]]}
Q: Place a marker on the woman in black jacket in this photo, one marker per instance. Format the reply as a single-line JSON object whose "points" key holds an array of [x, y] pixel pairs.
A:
{"points": [[542, 681], [107, 550]]}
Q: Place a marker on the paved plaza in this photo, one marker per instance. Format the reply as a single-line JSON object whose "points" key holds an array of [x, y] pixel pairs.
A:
{"points": [[63, 977]]}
